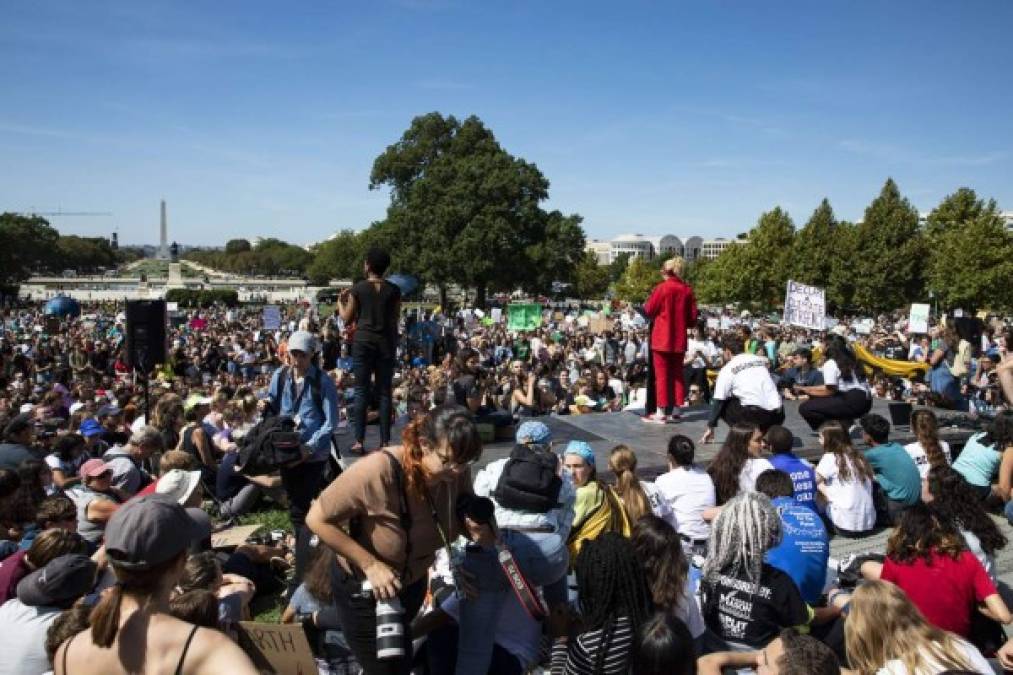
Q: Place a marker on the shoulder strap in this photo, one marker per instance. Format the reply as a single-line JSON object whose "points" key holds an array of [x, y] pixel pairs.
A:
{"points": [[318, 397], [404, 514], [186, 648]]}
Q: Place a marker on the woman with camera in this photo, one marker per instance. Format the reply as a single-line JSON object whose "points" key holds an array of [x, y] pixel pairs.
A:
{"points": [[385, 517]]}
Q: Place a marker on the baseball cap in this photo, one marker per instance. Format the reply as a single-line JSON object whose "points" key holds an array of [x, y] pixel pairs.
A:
{"points": [[533, 431], [90, 427], [18, 424], [178, 484], [110, 410], [60, 583], [148, 531], [302, 341], [92, 468], [194, 400]]}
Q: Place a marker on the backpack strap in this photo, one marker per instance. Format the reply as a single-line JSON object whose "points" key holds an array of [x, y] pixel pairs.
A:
{"points": [[404, 514]]}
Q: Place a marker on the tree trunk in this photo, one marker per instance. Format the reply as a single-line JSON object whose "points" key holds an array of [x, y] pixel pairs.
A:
{"points": [[480, 296], [443, 297]]}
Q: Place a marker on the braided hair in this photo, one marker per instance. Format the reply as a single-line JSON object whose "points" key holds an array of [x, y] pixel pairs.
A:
{"points": [[611, 584], [746, 529]]}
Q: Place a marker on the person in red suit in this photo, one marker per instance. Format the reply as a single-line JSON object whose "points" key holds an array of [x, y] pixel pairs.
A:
{"points": [[672, 308]]}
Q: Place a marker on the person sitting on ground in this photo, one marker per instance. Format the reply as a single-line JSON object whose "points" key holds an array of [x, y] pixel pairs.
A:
{"points": [[745, 600], [238, 493], [988, 457], [41, 596], [743, 391], [659, 550], [886, 633], [126, 462], [96, 500], [58, 512], [926, 556], [131, 628], [66, 459], [597, 508], [638, 497], [48, 546], [735, 468], [614, 603], [70, 622], [198, 607], [19, 437], [801, 374], [844, 481], [844, 394], [787, 654], [803, 477], [171, 459], [928, 451], [896, 475], [952, 499], [233, 592], [664, 647], [805, 547], [689, 491]]}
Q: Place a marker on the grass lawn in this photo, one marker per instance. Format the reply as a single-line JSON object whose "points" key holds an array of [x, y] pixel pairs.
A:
{"points": [[267, 609]]}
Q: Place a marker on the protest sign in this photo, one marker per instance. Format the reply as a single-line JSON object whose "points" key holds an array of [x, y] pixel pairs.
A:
{"points": [[524, 317], [271, 319], [918, 320], [172, 306], [726, 322], [234, 536], [277, 647], [864, 327], [804, 306], [713, 323], [496, 314], [597, 324]]}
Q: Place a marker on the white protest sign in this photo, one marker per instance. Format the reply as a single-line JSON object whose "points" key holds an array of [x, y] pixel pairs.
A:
{"points": [[172, 306], [496, 315], [713, 323], [277, 648], [271, 317], [726, 322], [918, 320], [805, 306]]}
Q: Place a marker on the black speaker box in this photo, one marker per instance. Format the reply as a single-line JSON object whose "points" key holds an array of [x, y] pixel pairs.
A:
{"points": [[146, 334]]}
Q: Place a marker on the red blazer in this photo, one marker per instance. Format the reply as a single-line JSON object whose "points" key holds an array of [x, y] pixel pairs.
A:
{"points": [[673, 309]]}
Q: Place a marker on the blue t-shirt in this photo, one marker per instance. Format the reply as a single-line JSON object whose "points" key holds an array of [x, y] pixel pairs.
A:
{"points": [[978, 463], [804, 548], [896, 472], [803, 477]]}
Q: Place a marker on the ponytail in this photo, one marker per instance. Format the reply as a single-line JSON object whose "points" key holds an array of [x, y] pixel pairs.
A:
{"points": [[105, 618], [623, 463]]}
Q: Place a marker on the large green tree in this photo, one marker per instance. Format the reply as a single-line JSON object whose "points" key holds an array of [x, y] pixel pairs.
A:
{"points": [[340, 257], [590, 280], [85, 254], [464, 211], [27, 245], [640, 277], [888, 264], [971, 259], [816, 247]]}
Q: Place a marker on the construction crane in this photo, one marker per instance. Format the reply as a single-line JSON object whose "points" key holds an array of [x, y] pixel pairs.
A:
{"points": [[61, 213]]}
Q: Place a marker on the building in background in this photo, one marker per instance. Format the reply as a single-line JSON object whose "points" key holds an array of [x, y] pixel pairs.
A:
{"points": [[661, 247]]}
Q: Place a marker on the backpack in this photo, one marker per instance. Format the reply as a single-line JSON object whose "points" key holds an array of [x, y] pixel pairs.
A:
{"points": [[269, 445], [530, 480]]}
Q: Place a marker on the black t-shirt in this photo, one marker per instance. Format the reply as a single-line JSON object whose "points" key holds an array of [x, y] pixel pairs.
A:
{"points": [[376, 320], [330, 350], [736, 614], [464, 386]]}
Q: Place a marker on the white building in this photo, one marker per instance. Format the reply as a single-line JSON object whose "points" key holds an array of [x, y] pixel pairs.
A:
{"points": [[602, 250], [650, 248], [712, 248]]}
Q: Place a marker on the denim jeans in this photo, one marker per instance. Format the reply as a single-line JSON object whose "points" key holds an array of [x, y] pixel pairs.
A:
{"points": [[1008, 510], [367, 362], [542, 557]]}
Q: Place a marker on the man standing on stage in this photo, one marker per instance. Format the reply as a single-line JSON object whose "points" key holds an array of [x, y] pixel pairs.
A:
{"points": [[672, 310]]}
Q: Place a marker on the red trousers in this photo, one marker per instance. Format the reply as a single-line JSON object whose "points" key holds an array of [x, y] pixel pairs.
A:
{"points": [[668, 374]]}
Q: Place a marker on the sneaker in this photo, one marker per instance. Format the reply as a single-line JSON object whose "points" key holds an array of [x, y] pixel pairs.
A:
{"points": [[656, 418]]}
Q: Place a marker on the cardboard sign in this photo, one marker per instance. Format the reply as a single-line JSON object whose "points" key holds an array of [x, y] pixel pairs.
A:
{"points": [[234, 536], [277, 647], [918, 319], [805, 306], [598, 325]]}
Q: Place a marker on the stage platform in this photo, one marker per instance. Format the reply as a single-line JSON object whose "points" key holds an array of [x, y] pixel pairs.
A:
{"points": [[604, 431]]}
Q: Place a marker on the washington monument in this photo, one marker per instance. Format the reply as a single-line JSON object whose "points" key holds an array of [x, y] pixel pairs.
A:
{"points": [[163, 242]]}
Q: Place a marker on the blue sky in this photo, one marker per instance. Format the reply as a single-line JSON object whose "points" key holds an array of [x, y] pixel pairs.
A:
{"points": [[263, 118]]}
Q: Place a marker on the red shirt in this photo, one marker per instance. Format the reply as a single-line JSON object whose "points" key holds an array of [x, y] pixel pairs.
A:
{"points": [[149, 489], [947, 591], [673, 309], [13, 569]]}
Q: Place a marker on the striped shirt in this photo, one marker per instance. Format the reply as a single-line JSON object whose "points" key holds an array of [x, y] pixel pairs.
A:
{"points": [[578, 656]]}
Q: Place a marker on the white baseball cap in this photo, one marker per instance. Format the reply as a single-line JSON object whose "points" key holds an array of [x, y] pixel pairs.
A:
{"points": [[178, 485]]}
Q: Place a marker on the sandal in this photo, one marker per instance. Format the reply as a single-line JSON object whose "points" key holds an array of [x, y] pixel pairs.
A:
{"points": [[357, 448]]}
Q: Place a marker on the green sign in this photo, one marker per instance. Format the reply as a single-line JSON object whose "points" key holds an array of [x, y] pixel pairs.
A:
{"points": [[524, 317]]}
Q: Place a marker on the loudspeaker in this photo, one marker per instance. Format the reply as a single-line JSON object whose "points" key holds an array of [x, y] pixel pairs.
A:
{"points": [[146, 334]]}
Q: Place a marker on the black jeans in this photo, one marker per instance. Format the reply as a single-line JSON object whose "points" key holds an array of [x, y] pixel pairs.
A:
{"points": [[441, 654], [735, 412], [847, 407], [369, 362], [357, 617], [302, 484]]}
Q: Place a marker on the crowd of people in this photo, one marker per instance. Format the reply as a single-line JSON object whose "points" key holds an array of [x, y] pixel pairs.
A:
{"points": [[415, 557]]}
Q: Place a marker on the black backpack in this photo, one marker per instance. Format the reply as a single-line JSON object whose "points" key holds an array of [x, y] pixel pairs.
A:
{"points": [[269, 445], [530, 480]]}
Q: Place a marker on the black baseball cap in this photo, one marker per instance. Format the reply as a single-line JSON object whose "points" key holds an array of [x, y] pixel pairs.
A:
{"points": [[60, 583], [150, 530]]}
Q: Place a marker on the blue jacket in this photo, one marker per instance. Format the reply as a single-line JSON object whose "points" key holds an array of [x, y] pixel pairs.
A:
{"points": [[315, 425]]}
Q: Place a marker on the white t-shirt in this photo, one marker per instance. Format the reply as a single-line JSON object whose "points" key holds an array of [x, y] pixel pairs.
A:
{"points": [[23, 649], [753, 467], [917, 453], [690, 492], [705, 347], [515, 632], [747, 378], [851, 507], [832, 378], [967, 650], [659, 504]]}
